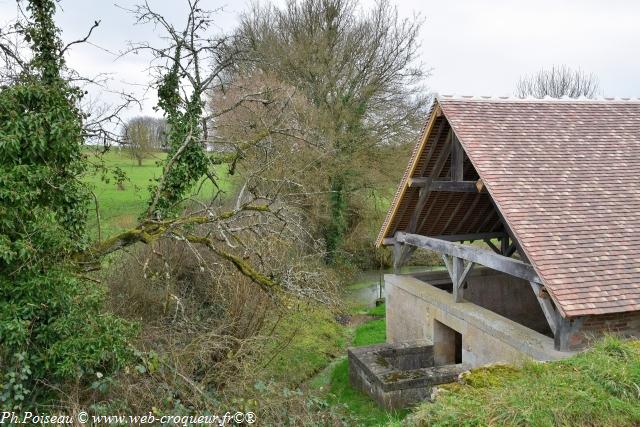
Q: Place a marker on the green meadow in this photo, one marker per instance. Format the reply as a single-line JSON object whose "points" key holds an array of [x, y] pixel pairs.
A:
{"points": [[119, 207]]}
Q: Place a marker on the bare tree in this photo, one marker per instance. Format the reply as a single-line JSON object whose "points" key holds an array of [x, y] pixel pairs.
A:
{"points": [[143, 135], [358, 69], [239, 232], [557, 82], [137, 140]]}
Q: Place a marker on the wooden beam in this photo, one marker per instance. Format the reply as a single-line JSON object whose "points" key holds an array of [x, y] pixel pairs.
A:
{"points": [[523, 256], [492, 246], [445, 185], [437, 168], [457, 159], [397, 256], [466, 272], [388, 241], [432, 148], [471, 253], [447, 263], [469, 237], [458, 272], [406, 253], [456, 269], [547, 306], [490, 215], [454, 186], [504, 246], [422, 201], [418, 181]]}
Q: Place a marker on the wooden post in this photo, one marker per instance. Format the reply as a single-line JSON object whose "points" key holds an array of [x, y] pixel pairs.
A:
{"points": [[457, 268], [566, 328], [397, 257], [547, 306]]}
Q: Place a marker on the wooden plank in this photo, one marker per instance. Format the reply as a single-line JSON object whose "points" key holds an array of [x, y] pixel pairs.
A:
{"points": [[489, 259]]}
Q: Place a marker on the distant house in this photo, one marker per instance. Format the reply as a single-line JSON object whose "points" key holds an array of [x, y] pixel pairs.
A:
{"points": [[553, 189]]}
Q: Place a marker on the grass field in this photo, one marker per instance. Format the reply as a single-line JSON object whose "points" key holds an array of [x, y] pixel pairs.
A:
{"points": [[334, 381], [600, 387], [119, 209]]}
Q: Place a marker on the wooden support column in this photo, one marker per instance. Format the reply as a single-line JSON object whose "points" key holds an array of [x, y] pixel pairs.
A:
{"points": [[547, 306], [565, 330], [397, 256], [504, 245], [456, 270]]}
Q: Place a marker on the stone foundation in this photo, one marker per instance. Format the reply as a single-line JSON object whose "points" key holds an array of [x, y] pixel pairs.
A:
{"points": [[398, 375]]}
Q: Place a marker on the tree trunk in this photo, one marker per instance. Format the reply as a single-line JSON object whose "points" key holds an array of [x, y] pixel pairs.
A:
{"points": [[337, 227]]}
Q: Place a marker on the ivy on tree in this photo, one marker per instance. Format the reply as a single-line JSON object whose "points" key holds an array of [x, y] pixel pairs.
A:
{"points": [[51, 322]]}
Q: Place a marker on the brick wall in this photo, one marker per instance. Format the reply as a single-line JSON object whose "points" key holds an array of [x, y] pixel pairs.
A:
{"points": [[593, 327]]}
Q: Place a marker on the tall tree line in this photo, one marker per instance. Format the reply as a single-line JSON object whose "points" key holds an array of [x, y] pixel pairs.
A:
{"points": [[357, 68]]}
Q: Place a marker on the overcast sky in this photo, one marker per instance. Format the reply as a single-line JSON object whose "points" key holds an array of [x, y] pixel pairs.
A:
{"points": [[472, 47]]}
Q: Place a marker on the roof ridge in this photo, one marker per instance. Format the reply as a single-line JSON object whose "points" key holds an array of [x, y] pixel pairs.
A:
{"points": [[548, 99]]}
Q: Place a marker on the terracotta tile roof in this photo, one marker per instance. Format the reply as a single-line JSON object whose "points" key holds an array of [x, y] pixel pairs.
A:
{"points": [[565, 174]]}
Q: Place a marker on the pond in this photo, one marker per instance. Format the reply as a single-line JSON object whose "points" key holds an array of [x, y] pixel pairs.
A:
{"points": [[369, 285]]}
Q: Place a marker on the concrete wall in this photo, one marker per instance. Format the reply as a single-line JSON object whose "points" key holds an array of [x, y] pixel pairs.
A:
{"points": [[508, 296], [487, 337]]}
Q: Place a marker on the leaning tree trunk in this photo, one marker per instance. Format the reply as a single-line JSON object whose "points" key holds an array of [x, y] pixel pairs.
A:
{"points": [[337, 227]]}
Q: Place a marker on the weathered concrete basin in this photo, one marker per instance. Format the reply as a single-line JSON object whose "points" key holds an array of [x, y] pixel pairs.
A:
{"points": [[398, 375]]}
